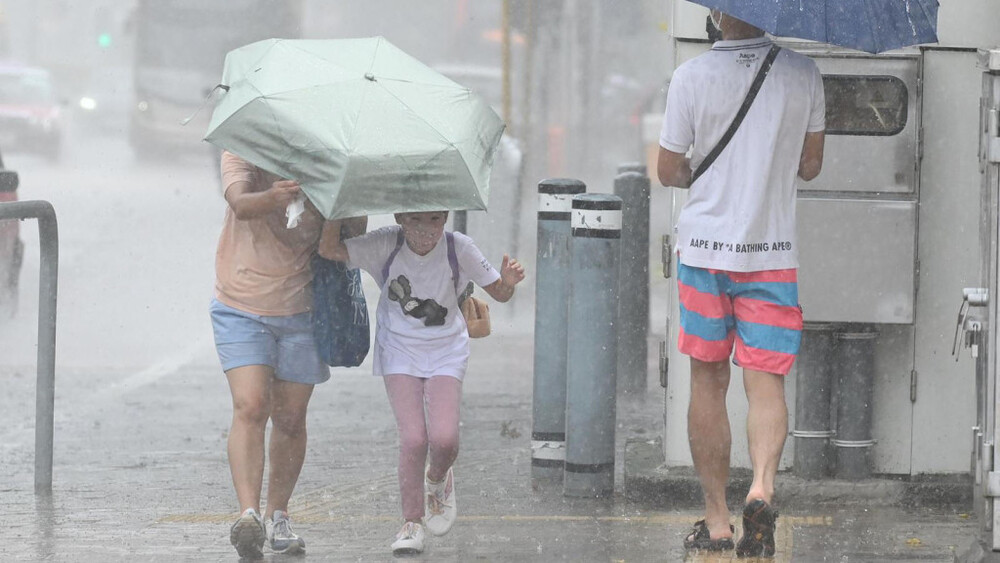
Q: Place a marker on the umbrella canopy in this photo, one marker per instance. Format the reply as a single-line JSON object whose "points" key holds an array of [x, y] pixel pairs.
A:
{"points": [[361, 125], [866, 25]]}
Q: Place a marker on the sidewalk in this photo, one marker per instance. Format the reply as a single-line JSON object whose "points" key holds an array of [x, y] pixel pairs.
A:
{"points": [[141, 475]]}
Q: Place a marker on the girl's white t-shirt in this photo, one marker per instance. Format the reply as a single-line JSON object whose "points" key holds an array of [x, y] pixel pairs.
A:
{"points": [[740, 215], [418, 322]]}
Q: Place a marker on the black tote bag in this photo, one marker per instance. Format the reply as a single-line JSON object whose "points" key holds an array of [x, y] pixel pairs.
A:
{"points": [[340, 314]]}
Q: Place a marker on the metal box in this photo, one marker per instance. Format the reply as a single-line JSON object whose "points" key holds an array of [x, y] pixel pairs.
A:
{"points": [[856, 260], [869, 158], [857, 221]]}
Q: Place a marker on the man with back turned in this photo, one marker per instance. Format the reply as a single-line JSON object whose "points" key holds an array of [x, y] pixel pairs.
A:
{"points": [[737, 266]]}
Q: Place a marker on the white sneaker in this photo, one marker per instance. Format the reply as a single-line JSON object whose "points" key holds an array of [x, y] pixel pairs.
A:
{"points": [[440, 509], [280, 534], [247, 535], [409, 540]]}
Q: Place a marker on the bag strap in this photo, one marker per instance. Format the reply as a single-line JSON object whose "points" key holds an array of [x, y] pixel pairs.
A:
{"points": [[747, 102], [392, 256], [452, 257]]}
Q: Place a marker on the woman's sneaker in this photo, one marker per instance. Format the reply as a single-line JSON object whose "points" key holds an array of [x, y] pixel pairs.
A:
{"points": [[247, 535], [409, 540], [280, 534], [440, 509]]}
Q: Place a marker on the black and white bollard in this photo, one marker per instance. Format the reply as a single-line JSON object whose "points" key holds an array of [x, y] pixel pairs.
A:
{"points": [[552, 281], [592, 349], [632, 167], [633, 304]]}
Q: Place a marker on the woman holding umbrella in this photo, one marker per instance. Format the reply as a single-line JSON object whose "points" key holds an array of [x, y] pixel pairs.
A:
{"points": [[263, 335]]}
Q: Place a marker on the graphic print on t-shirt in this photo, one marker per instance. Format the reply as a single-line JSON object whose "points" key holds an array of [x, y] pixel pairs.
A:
{"points": [[429, 310]]}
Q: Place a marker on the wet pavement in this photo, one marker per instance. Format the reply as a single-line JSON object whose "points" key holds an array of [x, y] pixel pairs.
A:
{"points": [[141, 475]]}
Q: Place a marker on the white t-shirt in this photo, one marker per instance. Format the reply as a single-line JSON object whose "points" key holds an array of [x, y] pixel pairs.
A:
{"points": [[740, 215], [419, 328]]}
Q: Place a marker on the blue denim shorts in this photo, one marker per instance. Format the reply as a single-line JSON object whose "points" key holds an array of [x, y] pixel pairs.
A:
{"points": [[284, 343]]}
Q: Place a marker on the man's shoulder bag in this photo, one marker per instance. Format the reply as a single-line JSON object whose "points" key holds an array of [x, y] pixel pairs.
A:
{"points": [[747, 102]]}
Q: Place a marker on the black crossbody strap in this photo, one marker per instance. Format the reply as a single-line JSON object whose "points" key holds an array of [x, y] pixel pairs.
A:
{"points": [[747, 102]]}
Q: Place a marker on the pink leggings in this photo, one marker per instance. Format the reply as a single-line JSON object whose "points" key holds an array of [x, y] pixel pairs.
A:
{"points": [[442, 395]]}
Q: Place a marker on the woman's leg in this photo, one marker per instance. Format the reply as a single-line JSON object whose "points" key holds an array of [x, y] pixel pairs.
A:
{"points": [[406, 396], [287, 446], [443, 395], [250, 387]]}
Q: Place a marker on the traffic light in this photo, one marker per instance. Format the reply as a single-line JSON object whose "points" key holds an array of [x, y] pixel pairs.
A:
{"points": [[103, 26]]}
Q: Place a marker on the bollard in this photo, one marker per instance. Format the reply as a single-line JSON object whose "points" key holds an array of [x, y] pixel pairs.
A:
{"points": [[592, 350], [460, 221], [633, 289], [552, 279], [855, 360], [632, 167], [814, 373]]}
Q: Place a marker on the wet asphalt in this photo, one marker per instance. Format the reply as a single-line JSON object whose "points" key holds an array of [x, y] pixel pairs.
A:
{"points": [[140, 474]]}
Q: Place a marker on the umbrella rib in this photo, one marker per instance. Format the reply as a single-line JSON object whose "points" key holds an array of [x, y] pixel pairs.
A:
{"points": [[404, 104], [378, 44], [317, 57], [262, 55], [923, 10], [872, 25]]}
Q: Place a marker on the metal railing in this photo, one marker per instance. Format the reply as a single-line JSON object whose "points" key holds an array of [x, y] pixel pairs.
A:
{"points": [[48, 234]]}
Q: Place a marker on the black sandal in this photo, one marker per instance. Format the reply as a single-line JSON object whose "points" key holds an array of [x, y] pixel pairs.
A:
{"points": [[758, 530], [700, 538]]}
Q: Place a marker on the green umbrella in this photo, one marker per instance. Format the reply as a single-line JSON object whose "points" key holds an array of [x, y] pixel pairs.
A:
{"points": [[362, 126]]}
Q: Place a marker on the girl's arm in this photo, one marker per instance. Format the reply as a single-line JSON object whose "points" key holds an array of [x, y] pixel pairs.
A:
{"points": [[331, 246], [511, 274], [354, 227]]}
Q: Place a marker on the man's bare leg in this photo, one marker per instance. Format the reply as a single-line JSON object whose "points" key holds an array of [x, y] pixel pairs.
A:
{"points": [[767, 426], [287, 446], [710, 440], [250, 388]]}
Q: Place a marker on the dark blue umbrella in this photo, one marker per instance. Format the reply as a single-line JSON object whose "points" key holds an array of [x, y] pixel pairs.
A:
{"points": [[866, 25]]}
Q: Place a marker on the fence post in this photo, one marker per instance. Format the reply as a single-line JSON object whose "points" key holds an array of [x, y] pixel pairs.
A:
{"points": [[552, 281], [633, 304], [48, 235], [592, 348]]}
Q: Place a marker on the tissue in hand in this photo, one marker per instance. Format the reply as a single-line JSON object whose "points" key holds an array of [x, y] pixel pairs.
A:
{"points": [[295, 210]]}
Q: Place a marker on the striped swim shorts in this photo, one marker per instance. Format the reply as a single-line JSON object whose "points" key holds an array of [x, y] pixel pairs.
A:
{"points": [[758, 311]]}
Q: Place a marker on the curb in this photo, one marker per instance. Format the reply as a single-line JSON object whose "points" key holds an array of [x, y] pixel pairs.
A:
{"points": [[649, 480]]}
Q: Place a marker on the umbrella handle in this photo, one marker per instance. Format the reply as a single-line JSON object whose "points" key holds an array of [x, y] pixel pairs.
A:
{"points": [[208, 97]]}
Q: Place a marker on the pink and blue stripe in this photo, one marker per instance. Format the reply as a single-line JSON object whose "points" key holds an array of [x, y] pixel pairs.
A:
{"points": [[758, 312]]}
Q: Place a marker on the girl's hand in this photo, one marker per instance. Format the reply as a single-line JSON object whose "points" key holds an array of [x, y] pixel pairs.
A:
{"points": [[511, 274], [511, 271]]}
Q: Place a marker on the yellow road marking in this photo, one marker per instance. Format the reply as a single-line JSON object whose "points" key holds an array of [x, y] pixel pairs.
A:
{"points": [[653, 519]]}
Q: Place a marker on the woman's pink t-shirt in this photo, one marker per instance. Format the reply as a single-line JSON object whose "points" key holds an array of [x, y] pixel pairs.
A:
{"points": [[261, 266]]}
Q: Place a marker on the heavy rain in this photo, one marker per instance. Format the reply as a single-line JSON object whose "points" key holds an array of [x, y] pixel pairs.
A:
{"points": [[131, 432]]}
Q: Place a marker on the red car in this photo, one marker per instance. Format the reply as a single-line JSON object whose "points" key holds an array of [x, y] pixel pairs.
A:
{"points": [[11, 247], [30, 112]]}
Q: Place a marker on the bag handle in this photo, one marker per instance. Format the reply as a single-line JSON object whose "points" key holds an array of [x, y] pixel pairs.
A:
{"points": [[747, 102]]}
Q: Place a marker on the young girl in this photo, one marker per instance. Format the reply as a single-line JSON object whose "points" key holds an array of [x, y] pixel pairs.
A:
{"points": [[422, 349]]}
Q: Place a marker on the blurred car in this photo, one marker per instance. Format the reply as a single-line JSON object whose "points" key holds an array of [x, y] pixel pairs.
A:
{"points": [[11, 246], [103, 100], [30, 112]]}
